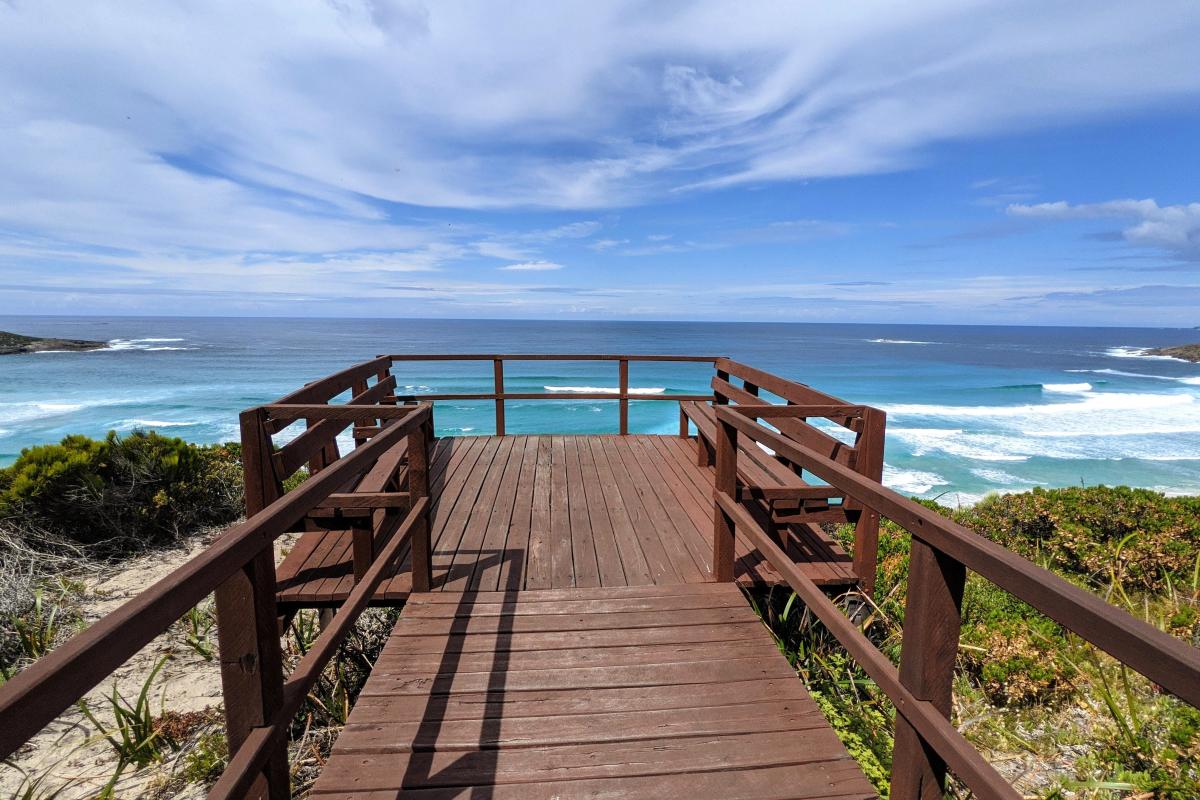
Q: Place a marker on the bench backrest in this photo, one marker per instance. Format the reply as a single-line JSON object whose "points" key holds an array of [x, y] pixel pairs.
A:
{"points": [[740, 384]]}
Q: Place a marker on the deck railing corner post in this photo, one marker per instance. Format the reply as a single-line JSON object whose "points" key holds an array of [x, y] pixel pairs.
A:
{"points": [[932, 621], [725, 483], [418, 488], [623, 390], [498, 373], [869, 462]]}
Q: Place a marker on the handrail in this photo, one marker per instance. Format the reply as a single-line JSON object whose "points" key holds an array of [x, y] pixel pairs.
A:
{"points": [[36, 696], [622, 396], [942, 550], [248, 761], [963, 759]]}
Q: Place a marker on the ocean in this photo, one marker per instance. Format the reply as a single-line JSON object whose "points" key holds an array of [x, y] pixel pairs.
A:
{"points": [[971, 409]]}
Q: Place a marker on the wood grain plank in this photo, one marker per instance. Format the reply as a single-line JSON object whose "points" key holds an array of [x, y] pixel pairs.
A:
{"points": [[562, 568], [537, 564], [583, 545]]}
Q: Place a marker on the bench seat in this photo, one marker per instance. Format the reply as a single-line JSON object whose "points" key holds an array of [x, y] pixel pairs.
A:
{"points": [[788, 497]]}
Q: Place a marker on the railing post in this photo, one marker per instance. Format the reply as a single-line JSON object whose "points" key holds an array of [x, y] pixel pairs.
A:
{"points": [[418, 487], [364, 421], [498, 371], [683, 423], [869, 463], [247, 623], [726, 483], [624, 391], [932, 619]]}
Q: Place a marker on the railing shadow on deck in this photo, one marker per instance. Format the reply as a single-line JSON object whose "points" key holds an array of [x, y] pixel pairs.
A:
{"points": [[482, 762]]}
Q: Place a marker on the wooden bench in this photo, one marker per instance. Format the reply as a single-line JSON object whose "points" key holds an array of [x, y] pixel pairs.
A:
{"points": [[774, 492]]}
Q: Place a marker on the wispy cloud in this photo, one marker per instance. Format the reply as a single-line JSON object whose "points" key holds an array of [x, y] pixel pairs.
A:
{"points": [[531, 266], [290, 146], [1174, 229]]}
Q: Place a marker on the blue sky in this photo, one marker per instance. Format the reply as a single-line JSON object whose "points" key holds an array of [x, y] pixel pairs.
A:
{"points": [[1018, 162]]}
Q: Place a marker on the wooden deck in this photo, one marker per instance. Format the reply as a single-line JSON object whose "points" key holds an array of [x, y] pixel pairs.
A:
{"points": [[558, 512], [631, 692]]}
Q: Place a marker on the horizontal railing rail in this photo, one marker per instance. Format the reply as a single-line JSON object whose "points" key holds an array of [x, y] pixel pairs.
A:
{"points": [[941, 552], [500, 396], [36, 696]]}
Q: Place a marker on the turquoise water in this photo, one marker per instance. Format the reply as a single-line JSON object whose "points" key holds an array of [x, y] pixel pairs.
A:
{"points": [[971, 409]]}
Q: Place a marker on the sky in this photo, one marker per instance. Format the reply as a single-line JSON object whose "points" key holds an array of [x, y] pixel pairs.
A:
{"points": [[931, 162]]}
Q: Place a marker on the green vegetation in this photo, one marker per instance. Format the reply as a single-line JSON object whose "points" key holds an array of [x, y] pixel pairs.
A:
{"points": [[134, 734], [1188, 352], [198, 625], [1025, 686], [119, 493], [11, 343]]}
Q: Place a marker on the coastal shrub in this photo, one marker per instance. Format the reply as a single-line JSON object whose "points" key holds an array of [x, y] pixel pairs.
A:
{"points": [[1141, 538], [121, 491]]}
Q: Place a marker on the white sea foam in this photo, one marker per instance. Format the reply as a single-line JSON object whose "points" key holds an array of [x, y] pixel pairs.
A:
{"points": [[1066, 388], [603, 389], [148, 344], [56, 408], [1191, 380], [897, 341], [1092, 414], [911, 481], [154, 423], [999, 477], [1139, 352]]}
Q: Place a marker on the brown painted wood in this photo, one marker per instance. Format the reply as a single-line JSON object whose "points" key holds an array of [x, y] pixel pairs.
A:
{"points": [[1167, 661], [623, 389], [646, 711], [498, 376], [932, 618], [726, 481]]}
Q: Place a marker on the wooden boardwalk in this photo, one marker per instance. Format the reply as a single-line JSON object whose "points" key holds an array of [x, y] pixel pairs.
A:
{"points": [[557, 512], [576, 629], [631, 692]]}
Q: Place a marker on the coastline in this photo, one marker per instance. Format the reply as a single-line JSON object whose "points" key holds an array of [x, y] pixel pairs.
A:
{"points": [[971, 409]]}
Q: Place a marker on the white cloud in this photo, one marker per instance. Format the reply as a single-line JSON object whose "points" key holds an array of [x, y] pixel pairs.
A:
{"points": [[1174, 229], [576, 104], [532, 266]]}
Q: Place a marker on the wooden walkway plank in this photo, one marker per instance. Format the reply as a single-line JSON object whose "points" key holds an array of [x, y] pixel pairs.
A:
{"points": [[561, 512], [639, 692], [669, 521], [583, 544], [662, 569], [562, 568], [629, 548], [537, 565], [469, 552], [493, 546]]}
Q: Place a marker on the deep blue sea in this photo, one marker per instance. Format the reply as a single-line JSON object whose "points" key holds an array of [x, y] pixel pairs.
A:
{"points": [[971, 409]]}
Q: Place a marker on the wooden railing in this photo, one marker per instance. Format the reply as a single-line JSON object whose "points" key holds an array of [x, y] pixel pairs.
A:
{"points": [[942, 551], [499, 395], [240, 568]]}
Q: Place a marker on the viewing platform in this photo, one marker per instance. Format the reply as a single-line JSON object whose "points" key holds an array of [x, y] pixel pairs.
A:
{"points": [[563, 511], [575, 610]]}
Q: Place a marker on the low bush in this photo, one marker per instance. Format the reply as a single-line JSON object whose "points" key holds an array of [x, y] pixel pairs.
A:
{"points": [[120, 492], [1093, 534], [1028, 680]]}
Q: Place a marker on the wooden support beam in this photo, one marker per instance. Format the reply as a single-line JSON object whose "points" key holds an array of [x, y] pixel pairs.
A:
{"points": [[418, 488], [932, 620], [726, 482], [623, 383], [247, 624], [498, 374], [869, 463]]}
